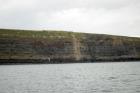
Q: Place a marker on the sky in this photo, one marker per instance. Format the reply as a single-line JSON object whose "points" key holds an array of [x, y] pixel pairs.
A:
{"points": [[115, 17]]}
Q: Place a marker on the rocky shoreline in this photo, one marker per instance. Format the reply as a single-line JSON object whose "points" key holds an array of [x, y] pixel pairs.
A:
{"points": [[62, 61]]}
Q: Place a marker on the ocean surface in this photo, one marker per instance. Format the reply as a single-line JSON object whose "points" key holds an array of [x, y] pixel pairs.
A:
{"points": [[71, 78]]}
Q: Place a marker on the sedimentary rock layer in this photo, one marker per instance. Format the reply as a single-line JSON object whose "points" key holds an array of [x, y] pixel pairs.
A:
{"points": [[23, 46]]}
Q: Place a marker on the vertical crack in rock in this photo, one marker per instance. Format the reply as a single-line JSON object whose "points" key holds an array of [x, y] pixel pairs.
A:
{"points": [[76, 46]]}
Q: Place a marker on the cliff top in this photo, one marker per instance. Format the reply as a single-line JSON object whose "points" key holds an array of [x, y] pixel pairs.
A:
{"points": [[53, 34]]}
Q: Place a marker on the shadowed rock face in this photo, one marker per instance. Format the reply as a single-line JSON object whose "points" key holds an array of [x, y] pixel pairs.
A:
{"points": [[18, 46]]}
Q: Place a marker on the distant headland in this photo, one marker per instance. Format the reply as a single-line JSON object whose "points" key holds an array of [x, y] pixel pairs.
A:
{"points": [[27, 46]]}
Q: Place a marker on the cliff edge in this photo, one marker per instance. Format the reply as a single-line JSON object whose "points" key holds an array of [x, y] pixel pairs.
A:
{"points": [[26, 46]]}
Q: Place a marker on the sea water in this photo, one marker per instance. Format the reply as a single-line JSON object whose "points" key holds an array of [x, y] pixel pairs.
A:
{"points": [[115, 77]]}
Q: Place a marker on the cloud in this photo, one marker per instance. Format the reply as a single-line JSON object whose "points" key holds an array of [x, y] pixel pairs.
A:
{"points": [[117, 17]]}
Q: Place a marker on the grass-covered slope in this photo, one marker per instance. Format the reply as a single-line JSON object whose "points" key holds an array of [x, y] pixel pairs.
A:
{"points": [[25, 46]]}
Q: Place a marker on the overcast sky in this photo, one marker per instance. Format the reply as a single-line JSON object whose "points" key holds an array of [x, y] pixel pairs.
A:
{"points": [[117, 17]]}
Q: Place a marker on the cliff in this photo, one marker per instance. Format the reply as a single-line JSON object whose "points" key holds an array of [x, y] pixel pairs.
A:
{"points": [[23, 46]]}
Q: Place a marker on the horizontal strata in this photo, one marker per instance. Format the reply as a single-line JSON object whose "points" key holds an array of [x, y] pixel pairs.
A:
{"points": [[26, 46]]}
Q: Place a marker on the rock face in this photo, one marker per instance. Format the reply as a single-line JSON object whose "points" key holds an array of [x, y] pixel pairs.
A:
{"points": [[18, 46]]}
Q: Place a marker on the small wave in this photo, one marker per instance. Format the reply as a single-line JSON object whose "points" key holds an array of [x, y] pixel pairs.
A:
{"points": [[111, 78], [107, 91]]}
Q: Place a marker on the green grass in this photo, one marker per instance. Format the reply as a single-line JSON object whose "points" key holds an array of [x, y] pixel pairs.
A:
{"points": [[52, 34], [34, 34]]}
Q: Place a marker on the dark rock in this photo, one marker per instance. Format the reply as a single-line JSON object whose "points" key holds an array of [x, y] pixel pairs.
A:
{"points": [[65, 47]]}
